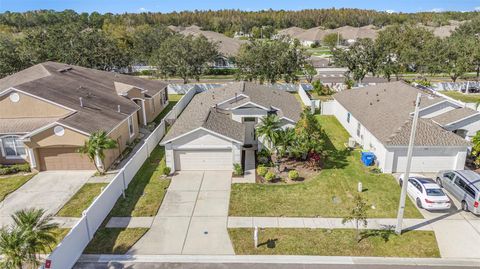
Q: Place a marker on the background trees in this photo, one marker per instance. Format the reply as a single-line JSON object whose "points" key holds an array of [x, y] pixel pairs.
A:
{"points": [[271, 60], [184, 56]]}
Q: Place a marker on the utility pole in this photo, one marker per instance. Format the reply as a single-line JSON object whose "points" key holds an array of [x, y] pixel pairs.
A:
{"points": [[406, 176]]}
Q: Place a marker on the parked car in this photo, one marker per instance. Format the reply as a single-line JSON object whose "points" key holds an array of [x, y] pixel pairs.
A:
{"points": [[426, 193], [464, 185]]}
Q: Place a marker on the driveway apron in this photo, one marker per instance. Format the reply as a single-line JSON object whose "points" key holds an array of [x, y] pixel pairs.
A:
{"points": [[48, 190], [192, 218]]}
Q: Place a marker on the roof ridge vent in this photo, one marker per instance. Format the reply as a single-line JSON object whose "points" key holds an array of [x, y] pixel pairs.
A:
{"points": [[66, 69]]}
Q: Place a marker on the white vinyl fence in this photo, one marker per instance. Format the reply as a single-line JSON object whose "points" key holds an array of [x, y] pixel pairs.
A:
{"points": [[302, 92], [69, 250]]}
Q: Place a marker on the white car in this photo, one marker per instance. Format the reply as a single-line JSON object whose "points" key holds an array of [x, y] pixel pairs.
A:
{"points": [[426, 193]]}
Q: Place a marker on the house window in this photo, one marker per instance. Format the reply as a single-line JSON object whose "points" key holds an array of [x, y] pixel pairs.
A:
{"points": [[131, 128], [12, 147], [359, 127], [249, 119], [348, 117]]}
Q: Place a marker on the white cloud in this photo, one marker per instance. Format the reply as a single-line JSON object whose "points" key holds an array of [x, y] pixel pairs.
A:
{"points": [[436, 10], [476, 8], [142, 9], [390, 11]]}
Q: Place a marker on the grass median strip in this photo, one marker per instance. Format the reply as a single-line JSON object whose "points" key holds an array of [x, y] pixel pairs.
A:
{"points": [[336, 242], [9, 184], [328, 194], [145, 193], [81, 200], [114, 240], [467, 98]]}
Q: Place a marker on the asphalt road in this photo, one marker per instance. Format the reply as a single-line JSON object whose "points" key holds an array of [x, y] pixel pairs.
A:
{"points": [[159, 265]]}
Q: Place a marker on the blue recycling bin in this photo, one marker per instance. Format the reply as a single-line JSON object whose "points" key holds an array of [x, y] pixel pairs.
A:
{"points": [[368, 158]]}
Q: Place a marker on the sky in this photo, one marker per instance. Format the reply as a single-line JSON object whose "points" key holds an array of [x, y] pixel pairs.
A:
{"points": [[136, 6]]}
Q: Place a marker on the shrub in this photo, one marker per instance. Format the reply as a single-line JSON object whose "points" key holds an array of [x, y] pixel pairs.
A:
{"points": [[262, 170], [269, 176], [264, 156], [15, 168], [166, 170], [293, 174], [221, 71], [237, 169]]}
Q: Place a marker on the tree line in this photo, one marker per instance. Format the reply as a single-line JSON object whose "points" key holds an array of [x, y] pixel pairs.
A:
{"points": [[230, 21], [404, 48]]}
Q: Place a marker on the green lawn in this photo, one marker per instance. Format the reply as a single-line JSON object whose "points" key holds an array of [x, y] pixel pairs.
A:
{"points": [[336, 242], [319, 51], [467, 98], [172, 100], [81, 200], [9, 184], [330, 193], [144, 194], [114, 240]]}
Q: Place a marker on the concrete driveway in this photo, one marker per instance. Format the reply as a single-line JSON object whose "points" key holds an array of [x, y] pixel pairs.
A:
{"points": [[49, 190], [457, 232], [192, 218]]}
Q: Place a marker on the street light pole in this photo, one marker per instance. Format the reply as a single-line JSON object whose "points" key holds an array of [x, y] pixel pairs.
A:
{"points": [[406, 176]]}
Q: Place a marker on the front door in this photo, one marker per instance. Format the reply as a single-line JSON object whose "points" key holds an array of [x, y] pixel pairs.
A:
{"points": [[249, 130]]}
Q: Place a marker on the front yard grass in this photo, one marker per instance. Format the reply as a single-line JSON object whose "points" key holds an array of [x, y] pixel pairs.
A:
{"points": [[466, 98], [330, 193], [9, 184], [114, 240], [144, 194], [336, 242], [81, 200]]}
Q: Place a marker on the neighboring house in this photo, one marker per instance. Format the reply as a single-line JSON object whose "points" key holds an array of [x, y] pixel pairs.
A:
{"points": [[227, 46], [49, 110], [379, 118], [218, 124], [316, 35]]}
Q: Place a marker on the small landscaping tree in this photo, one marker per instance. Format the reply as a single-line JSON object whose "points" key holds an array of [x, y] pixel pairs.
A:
{"points": [[269, 128], [476, 149], [95, 146], [358, 215]]}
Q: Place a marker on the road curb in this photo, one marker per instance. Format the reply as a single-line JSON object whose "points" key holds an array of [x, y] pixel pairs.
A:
{"points": [[278, 259]]}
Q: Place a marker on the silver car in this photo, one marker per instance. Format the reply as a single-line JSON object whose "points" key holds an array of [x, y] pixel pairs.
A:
{"points": [[464, 185]]}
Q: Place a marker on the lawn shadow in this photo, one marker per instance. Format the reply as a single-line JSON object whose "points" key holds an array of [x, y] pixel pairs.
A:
{"points": [[335, 157], [385, 234], [270, 243]]}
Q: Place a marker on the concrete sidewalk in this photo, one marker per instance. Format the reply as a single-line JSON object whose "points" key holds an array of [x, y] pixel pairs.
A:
{"points": [[325, 223]]}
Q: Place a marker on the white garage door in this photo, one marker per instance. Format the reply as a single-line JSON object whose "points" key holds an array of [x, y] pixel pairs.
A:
{"points": [[203, 159], [432, 160]]}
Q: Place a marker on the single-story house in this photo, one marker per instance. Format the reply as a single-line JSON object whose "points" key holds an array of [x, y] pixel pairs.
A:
{"points": [[219, 124], [379, 118], [49, 110]]}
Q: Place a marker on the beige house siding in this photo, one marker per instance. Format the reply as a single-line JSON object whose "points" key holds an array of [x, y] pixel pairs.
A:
{"points": [[36, 107], [122, 136], [154, 106]]}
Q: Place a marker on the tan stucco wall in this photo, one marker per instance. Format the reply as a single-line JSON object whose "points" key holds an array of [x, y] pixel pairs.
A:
{"points": [[122, 136], [149, 103], [29, 106]]}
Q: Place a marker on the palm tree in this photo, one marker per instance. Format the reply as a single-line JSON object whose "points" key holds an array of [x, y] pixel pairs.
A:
{"points": [[32, 233], [38, 229], [285, 140], [268, 129], [95, 145], [12, 247]]}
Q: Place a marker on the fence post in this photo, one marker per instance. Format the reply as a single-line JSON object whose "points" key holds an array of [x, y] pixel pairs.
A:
{"points": [[124, 185], [84, 214]]}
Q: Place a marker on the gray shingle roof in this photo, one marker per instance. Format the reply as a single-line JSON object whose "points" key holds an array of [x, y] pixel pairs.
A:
{"points": [[97, 88], [199, 113], [385, 109], [454, 115], [25, 125], [227, 46], [428, 134]]}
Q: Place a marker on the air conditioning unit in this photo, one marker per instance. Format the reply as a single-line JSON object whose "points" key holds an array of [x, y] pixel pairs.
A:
{"points": [[351, 142]]}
